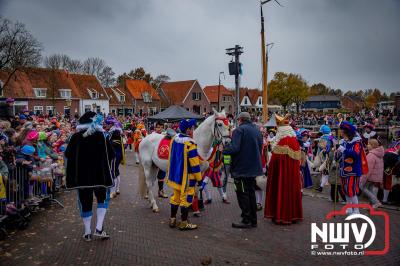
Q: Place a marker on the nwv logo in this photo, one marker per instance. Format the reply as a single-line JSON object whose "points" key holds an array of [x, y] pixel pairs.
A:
{"points": [[340, 232], [336, 235]]}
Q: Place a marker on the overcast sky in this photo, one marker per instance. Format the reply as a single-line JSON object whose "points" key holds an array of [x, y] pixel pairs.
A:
{"points": [[346, 44]]}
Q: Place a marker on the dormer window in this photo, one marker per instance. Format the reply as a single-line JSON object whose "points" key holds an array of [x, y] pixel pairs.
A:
{"points": [[120, 95], [40, 92], [65, 93], [93, 94], [146, 97]]}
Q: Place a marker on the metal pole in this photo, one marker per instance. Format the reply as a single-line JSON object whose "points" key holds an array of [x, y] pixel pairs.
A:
{"points": [[237, 81], [219, 86], [264, 60], [236, 52]]}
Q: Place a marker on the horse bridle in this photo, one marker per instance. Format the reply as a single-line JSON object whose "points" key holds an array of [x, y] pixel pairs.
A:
{"points": [[217, 131], [219, 137]]}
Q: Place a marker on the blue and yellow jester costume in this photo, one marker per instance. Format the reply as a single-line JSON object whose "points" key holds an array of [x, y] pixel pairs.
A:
{"points": [[183, 173], [353, 164]]}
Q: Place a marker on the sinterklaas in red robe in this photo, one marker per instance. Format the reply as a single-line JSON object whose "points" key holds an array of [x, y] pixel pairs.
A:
{"points": [[283, 194]]}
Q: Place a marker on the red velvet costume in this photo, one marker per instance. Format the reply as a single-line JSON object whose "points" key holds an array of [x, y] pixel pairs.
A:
{"points": [[283, 202]]}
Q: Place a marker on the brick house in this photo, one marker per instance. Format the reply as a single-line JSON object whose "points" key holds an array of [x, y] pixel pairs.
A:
{"points": [[226, 100], [42, 90], [187, 94], [18, 87], [145, 99], [352, 104], [93, 96], [121, 101]]}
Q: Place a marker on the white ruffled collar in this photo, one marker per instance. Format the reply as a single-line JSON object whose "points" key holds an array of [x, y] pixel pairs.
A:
{"points": [[89, 128]]}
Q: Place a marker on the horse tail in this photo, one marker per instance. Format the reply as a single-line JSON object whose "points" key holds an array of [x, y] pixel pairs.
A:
{"points": [[142, 182], [261, 182]]}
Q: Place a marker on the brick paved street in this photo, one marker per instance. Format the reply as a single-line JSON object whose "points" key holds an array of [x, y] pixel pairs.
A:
{"points": [[140, 237]]}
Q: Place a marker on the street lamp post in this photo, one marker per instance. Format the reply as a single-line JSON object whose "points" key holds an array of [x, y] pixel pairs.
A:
{"points": [[219, 88]]}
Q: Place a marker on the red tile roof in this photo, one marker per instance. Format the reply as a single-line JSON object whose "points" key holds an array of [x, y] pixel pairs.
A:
{"points": [[112, 97], [18, 85], [137, 87], [176, 91], [85, 82], [253, 95], [212, 92], [52, 79]]}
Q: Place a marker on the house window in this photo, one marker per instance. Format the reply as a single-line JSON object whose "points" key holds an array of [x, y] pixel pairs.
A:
{"points": [[40, 92], [122, 98], [146, 97], [153, 110], [38, 109], [93, 94], [259, 101], [65, 94], [225, 98], [196, 96], [88, 108], [50, 110], [245, 101]]}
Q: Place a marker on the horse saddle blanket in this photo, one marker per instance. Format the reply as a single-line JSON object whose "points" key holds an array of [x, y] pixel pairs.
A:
{"points": [[163, 148]]}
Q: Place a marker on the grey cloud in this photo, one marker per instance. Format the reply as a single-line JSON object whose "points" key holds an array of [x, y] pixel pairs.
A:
{"points": [[345, 44]]}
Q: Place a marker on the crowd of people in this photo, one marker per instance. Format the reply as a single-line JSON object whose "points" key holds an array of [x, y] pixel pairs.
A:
{"points": [[85, 153]]}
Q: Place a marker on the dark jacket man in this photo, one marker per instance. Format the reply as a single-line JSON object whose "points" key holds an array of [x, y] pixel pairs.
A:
{"points": [[245, 149], [6, 111], [88, 161]]}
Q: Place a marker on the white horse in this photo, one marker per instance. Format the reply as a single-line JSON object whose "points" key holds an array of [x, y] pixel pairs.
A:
{"points": [[213, 128]]}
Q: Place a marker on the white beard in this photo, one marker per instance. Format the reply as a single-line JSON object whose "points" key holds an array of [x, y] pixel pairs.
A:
{"points": [[282, 132]]}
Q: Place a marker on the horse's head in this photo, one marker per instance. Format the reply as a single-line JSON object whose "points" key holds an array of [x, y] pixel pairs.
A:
{"points": [[220, 126]]}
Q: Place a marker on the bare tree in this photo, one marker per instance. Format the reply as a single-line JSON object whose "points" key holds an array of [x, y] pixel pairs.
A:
{"points": [[160, 79], [107, 77], [63, 61], [18, 47], [75, 66], [93, 66], [53, 61]]}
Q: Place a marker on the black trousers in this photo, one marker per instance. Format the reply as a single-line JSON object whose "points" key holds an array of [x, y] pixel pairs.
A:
{"points": [[245, 192], [85, 199]]}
